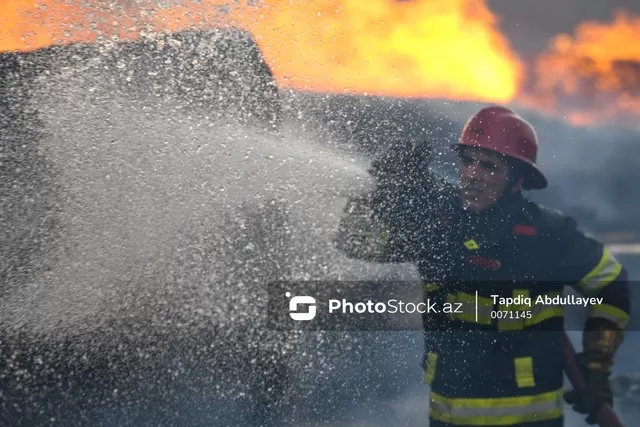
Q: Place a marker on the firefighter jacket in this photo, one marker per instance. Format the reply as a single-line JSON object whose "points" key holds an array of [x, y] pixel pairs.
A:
{"points": [[489, 363]]}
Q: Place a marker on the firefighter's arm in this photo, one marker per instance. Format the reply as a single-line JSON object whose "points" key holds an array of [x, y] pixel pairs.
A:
{"points": [[378, 226], [595, 272], [369, 230], [598, 274]]}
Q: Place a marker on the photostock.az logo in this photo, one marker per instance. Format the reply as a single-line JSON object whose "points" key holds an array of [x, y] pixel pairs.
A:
{"points": [[304, 301]]}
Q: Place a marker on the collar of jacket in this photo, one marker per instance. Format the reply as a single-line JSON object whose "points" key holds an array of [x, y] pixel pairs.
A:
{"points": [[502, 214]]}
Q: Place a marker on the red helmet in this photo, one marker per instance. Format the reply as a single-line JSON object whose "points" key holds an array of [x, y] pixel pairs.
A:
{"points": [[500, 129]]}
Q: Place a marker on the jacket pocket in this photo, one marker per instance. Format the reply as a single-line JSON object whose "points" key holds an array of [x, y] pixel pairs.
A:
{"points": [[524, 371]]}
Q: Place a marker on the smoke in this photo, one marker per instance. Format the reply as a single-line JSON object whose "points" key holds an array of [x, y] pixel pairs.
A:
{"points": [[530, 26], [591, 172]]}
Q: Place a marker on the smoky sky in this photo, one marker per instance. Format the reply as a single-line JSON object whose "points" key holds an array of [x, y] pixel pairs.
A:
{"points": [[530, 25]]}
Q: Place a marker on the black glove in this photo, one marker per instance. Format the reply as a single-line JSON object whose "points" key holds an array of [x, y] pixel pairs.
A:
{"points": [[400, 171], [598, 391], [402, 163]]}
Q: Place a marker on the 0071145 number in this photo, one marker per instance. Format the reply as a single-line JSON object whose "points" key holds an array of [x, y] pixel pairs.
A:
{"points": [[511, 314]]}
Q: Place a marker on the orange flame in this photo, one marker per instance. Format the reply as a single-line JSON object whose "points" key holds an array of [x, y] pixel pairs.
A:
{"points": [[384, 47], [430, 49], [593, 76], [448, 49], [32, 24]]}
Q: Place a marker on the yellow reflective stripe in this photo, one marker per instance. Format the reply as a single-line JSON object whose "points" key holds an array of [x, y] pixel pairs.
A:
{"points": [[430, 372], [515, 322], [376, 241], [498, 411], [604, 273], [611, 313], [524, 293], [539, 312], [467, 311], [431, 286], [498, 402], [471, 299], [524, 371], [542, 312], [471, 244]]}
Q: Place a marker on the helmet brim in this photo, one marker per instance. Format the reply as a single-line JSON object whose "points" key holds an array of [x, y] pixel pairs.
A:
{"points": [[534, 179]]}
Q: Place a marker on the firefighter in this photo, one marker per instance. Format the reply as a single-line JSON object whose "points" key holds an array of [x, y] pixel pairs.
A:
{"points": [[501, 365]]}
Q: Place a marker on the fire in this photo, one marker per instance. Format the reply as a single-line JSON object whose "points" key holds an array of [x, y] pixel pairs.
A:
{"points": [[594, 75], [436, 49], [425, 49], [448, 49]]}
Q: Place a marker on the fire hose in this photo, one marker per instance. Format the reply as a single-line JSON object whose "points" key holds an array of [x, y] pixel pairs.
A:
{"points": [[605, 416]]}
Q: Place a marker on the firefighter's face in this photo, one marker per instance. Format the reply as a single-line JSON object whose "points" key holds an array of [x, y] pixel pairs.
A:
{"points": [[484, 177]]}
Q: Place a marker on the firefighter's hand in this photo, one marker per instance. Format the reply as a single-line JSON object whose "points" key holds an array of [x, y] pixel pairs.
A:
{"points": [[598, 391], [400, 170], [402, 163]]}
